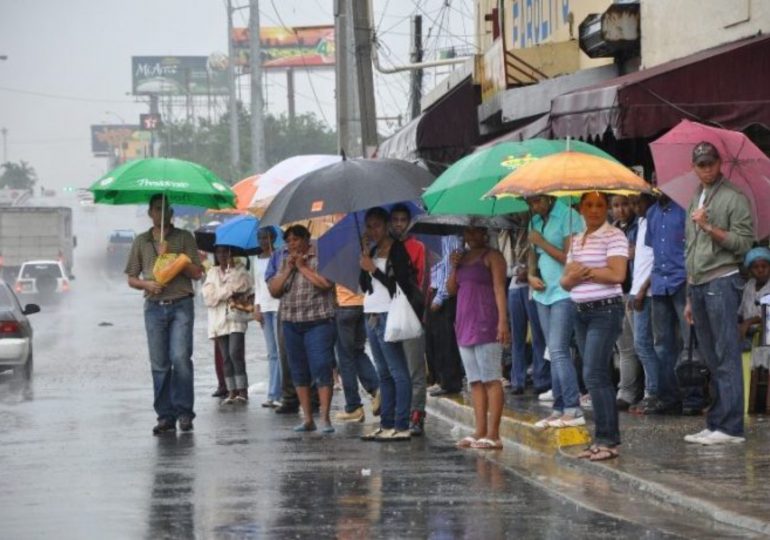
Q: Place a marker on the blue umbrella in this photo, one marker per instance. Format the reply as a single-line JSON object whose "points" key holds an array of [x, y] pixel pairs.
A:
{"points": [[240, 232], [339, 249]]}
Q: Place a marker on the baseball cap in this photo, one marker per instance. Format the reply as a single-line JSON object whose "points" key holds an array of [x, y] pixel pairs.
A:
{"points": [[704, 152]]}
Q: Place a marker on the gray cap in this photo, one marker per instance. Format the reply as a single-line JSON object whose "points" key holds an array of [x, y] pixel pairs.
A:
{"points": [[704, 152]]}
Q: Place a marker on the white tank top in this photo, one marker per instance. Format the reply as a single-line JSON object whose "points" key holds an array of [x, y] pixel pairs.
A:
{"points": [[379, 299]]}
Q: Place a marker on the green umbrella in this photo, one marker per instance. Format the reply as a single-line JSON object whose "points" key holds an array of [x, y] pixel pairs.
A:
{"points": [[461, 188], [182, 182]]}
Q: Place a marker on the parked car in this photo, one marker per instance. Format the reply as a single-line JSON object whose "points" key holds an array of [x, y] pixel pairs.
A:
{"points": [[15, 333], [43, 279], [118, 248]]}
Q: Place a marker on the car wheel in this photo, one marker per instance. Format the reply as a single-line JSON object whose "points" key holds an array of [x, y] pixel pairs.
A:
{"points": [[25, 371]]}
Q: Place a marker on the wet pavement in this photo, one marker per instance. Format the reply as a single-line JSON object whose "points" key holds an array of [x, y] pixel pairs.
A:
{"points": [[78, 459]]}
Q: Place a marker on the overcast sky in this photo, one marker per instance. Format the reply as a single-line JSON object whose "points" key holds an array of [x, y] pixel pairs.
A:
{"points": [[69, 65]]}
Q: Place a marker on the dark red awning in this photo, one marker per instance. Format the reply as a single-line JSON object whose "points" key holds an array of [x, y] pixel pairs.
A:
{"points": [[727, 85]]}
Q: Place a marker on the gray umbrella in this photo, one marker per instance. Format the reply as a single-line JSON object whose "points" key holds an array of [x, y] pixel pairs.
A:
{"points": [[445, 225], [347, 186]]}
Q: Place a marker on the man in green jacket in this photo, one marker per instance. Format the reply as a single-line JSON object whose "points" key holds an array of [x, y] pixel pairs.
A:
{"points": [[718, 234]]}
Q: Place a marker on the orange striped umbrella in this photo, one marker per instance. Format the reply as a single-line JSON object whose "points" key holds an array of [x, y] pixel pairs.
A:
{"points": [[569, 173], [244, 191]]}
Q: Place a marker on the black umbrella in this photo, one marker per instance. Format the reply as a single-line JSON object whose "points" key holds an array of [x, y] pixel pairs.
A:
{"points": [[445, 224], [347, 186]]}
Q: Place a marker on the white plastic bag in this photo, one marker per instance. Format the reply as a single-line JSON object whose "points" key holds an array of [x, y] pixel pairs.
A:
{"points": [[402, 323]]}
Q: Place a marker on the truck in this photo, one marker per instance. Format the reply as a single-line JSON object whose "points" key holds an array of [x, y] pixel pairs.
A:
{"points": [[33, 233]]}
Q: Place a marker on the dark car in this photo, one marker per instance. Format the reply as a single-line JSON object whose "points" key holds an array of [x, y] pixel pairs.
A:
{"points": [[15, 333], [118, 248]]}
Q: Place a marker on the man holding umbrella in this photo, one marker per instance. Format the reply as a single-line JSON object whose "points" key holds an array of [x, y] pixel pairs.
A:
{"points": [[168, 315], [718, 234]]}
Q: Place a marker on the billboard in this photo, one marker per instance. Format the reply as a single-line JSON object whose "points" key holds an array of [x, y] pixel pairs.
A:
{"points": [[299, 46], [122, 141], [178, 75]]}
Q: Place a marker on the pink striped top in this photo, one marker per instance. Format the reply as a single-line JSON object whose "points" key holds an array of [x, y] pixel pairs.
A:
{"points": [[606, 241]]}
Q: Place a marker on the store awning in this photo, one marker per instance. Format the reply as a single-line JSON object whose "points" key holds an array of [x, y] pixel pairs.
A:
{"points": [[726, 85], [443, 133]]}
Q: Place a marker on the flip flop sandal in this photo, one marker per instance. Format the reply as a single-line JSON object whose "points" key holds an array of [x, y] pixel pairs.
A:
{"points": [[487, 444], [588, 452], [466, 442], [603, 453]]}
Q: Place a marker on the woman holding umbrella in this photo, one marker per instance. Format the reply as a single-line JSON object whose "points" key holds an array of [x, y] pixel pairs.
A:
{"points": [[227, 283], [596, 267]]}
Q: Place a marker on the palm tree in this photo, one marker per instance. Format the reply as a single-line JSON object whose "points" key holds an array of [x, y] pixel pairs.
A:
{"points": [[19, 175]]}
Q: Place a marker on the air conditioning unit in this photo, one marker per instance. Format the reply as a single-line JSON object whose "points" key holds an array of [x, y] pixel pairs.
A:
{"points": [[617, 30]]}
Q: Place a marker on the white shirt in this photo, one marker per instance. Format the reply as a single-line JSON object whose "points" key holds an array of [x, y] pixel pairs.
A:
{"points": [[643, 259], [262, 296], [378, 301]]}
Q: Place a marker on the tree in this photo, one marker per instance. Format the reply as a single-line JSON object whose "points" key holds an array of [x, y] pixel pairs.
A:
{"points": [[207, 143], [18, 175]]}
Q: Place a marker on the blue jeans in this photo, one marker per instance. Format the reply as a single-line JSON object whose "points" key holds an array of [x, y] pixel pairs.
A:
{"points": [[557, 322], [354, 363], [170, 340], [522, 310], [395, 381], [670, 331], [596, 332], [310, 348], [645, 347], [270, 331], [714, 311]]}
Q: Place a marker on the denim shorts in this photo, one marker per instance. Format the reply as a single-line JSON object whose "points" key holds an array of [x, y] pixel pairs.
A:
{"points": [[310, 351], [483, 362]]}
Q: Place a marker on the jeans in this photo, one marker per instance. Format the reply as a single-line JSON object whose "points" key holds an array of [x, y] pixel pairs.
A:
{"points": [[630, 385], [395, 381], [270, 331], [645, 348], [522, 310], [170, 340], [596, 332], [354, 363], [557, 322], [714, 310], [670, 331], [310, 348], [232, 348]]}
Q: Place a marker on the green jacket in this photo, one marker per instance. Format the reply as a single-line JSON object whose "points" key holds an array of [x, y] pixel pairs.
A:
{"points": [[729, 210]]}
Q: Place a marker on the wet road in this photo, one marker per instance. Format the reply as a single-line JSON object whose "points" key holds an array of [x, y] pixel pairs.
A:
{"points": [[78, 459]]}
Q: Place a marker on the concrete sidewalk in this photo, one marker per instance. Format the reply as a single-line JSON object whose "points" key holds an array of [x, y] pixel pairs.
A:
{"points": [[726, 484]]}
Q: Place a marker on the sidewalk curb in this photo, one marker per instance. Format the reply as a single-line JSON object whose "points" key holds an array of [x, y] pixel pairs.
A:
{"points": [[517, 428]]}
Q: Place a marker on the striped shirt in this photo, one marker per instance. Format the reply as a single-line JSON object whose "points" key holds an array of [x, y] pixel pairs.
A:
{"points": [[607, 241]]}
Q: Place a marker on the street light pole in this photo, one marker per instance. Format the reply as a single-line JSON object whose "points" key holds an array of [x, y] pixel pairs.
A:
{"points": [[235, 150], [4, 131]]}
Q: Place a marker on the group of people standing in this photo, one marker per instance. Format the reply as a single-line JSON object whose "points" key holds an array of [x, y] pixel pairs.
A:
{"points": [[632, 274]]}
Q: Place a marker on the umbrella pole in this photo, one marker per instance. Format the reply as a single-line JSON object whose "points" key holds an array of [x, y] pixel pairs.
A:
{"points": [[162, 216]]}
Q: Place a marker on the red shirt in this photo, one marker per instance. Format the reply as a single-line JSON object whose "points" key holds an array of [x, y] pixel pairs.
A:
{"points": [[416, 250]]}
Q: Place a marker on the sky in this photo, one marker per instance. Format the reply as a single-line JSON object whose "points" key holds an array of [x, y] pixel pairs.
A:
{"points": [[68, 65]]}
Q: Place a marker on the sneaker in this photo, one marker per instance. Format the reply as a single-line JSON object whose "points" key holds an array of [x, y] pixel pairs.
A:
{"points": [[545, 422], [228, 401], [719, 437], [567, 421], [372, 435], [392, 435], [417, 423], [586, 402], [640, 407], [163, 426], [698, 437], [354, 416], [186, 423], [241, 400], [376, 403], [546, 396]]}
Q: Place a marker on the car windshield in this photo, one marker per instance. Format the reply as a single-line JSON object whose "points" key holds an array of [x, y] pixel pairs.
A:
{"points": [[34, 271]]}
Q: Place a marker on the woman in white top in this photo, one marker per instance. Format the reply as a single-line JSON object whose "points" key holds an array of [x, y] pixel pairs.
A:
{"points": [[229, 283], [596, 267], [266, 314]]}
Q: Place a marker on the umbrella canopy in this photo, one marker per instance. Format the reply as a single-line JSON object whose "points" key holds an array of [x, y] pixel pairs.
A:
{"points": [[570, 173], [743, 164], [461, 188], [347, 186], [182, 182], [445, 225], [240, 232], [279, 175], [205, 236]]}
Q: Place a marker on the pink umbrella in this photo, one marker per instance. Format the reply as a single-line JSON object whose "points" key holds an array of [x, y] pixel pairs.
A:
{"points": [[745, 165]]}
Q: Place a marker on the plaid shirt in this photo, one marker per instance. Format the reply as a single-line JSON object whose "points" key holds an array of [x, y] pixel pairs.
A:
{"points": [[302, 301]]}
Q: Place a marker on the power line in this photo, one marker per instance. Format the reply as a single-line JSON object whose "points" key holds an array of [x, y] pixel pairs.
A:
{"points": [[58, 96]]}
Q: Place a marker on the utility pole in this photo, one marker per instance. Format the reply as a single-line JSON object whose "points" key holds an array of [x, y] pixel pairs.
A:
{"points": [[4, 131], [258, 160], [235, 150], [362, 40], [341, 74], [290, 95], [416, 74]]}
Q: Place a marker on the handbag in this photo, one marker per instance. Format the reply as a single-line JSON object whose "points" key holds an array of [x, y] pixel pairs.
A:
{"points": [[239, 312], [402, 323], [691, 370]]}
